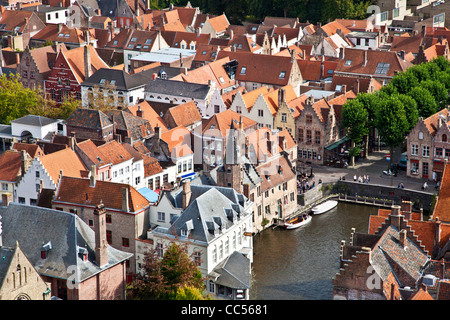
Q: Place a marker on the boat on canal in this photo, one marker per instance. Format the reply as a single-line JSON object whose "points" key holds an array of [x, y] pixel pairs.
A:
{"points": [[324, 207], [297, 221]]}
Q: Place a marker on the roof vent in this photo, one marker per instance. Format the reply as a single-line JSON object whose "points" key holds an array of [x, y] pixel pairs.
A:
{"points": [[45, 249], [429, 280]]}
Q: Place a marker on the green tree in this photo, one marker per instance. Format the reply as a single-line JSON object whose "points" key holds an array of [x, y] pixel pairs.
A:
{"points": [[392, 123], [354, 120], [17, 101], [438, 91], [411, 111], [426, 103], [167, 277]]}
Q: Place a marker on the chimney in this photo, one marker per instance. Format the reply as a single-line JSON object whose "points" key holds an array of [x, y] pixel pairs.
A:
{"points": [[87, 62], [93, 177], [367, 251], [101, 244], [17, 57], [402, 238], [60, 26], [186, 193], [139, 112], [72, 142], [406, 208], [23, 159], [136, 8], [147, 5], [125, 203], [356, 86], [396, 217], [341, 53], [281, 96], [365, 57]]}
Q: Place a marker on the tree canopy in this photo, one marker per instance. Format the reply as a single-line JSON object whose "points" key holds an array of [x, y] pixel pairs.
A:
{"points": [[174, 276]]}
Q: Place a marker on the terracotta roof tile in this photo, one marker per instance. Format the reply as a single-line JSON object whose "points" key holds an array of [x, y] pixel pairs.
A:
{"points": [[115, 152], [106, 192], [219, 23], [179, 141], [185, 115], [442, 209], [65, 160], [374, 57], [32, 149], [260, 67], [149, 114], [75, 58], [10, 165], [222, 122]]}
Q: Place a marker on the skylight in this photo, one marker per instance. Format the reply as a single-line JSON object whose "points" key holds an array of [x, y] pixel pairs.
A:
{"points": [[282, 74], [382, 68], [243, 70], [348, 62]]}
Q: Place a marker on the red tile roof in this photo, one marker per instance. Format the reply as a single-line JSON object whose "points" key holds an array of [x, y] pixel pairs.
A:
{"points": [[179, 141], [374, 57], [185, 115], [106, 192], [65, 160], [442, 208], [10, 165], [260, 68]]}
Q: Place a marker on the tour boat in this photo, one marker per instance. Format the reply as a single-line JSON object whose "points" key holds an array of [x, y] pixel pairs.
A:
{"points": [[297, 221], [324, 207]]}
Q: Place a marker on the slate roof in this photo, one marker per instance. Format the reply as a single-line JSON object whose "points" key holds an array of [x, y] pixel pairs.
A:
{"points": [[33, 120], [208, 208], [388, 256], [234, 271], [34, 226], [135, 127], [88, 118], [120, 79], [178, 88]]}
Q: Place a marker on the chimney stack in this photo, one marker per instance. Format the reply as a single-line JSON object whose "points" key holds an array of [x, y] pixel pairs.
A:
{"points": [[101, 244], [87, 62], [186, 193], [93, 177], [23, 159], [125, 203], [402, 238], [139, 112]]}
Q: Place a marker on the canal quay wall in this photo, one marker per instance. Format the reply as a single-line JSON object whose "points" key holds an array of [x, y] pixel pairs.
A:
{"points": [[368, 193]]}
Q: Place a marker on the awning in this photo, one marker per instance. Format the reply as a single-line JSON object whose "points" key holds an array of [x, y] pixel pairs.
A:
{"points": [[337, 144], [438, 166], [188, 175]]}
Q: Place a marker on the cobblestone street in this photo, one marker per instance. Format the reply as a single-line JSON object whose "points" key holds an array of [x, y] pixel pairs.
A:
{"points": [[373, 167]]}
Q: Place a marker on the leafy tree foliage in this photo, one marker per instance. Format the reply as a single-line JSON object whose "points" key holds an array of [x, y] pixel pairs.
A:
{"points": [[174, 276], [17, 101], [354, 119]]}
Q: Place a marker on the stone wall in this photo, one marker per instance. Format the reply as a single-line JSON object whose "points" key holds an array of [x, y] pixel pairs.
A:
{"points": [[420, 199]]}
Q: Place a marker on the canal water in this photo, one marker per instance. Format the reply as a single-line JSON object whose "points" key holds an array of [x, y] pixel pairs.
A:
{"points": [[299, 264]]}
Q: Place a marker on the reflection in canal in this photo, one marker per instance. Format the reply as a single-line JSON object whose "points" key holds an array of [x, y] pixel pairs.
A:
{"points": [[300, 264]]}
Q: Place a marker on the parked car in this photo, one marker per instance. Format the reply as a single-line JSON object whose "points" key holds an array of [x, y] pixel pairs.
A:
{"points": [[403, 161]]}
